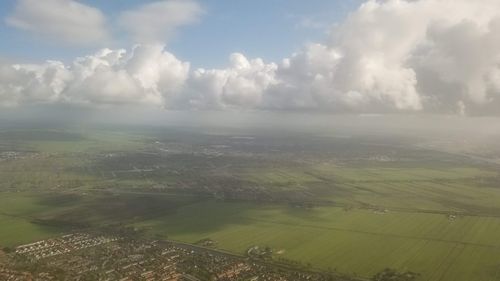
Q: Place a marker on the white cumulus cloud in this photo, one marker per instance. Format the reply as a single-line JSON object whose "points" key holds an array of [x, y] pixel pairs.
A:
{"points": [[157, 21], [145, 75], [440, 56], [242, 85], [401, 55], [64, 21]]}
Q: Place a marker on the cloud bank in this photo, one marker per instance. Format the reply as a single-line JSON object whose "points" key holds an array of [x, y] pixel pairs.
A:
{"points": [[440, 56], [145, 75]]}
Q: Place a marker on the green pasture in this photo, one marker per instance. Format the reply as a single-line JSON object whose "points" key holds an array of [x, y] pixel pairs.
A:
{"points": [[373, 174], [442, 221], [17, 211], [30, 216], [75, 141], [360, 242], [279, 176]]}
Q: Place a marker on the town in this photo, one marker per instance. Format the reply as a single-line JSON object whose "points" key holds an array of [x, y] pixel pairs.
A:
{"points": [[85, 256]]}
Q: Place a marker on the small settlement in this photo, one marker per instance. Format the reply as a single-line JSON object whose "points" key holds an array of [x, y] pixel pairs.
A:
{"points": [[83, 256]]}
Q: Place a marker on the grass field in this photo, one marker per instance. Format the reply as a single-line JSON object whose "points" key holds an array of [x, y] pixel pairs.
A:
{"points": [[16, 231], [16, 214], [357, 241], [30, 216], [350, 174], [74, 141], [397, 218], [436, 217], [279, 177]]}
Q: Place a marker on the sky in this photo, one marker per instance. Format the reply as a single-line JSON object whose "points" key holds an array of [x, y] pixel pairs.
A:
{"points": [[270, 29], [337, 56]]}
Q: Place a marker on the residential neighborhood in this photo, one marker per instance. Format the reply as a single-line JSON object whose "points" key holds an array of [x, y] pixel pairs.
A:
{"points": [[85, 256]]}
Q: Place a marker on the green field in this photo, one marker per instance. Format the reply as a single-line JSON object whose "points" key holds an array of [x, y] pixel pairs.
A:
{"points": [[16, 214], [356, 241], [432, 213], [352, 241]]}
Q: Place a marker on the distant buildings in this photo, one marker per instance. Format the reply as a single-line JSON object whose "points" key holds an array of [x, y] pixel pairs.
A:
{"points": [[83, 256]]}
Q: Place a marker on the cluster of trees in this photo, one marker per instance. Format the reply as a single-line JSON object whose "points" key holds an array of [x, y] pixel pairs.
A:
{"points": [[393, 275]]}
